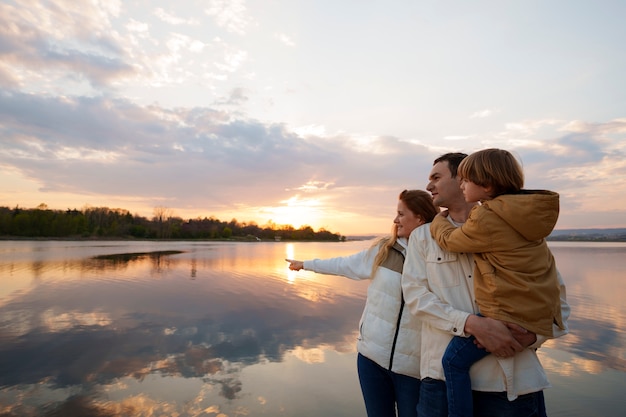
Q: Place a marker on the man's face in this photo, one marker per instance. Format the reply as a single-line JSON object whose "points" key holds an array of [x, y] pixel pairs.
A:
{"points": [[444, 189]]}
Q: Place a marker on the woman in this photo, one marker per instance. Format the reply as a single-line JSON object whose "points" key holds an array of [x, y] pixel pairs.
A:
{"points": [[389, 337]]}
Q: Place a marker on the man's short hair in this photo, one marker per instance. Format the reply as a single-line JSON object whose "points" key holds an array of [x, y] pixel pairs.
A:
{"points": [[453, 159]]}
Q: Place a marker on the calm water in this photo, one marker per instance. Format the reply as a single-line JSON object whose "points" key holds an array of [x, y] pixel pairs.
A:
{"points": [[224, 329]]}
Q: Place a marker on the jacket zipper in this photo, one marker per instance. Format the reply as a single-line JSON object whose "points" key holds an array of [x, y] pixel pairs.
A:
{"points": [[397, 333], [395, 337]]}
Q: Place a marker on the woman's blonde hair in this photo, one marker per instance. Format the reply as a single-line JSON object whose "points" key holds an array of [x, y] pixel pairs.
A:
{"points": [[420, 203], [495, 168]]}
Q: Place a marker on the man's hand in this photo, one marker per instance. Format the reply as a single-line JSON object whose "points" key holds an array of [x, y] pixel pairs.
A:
{"points": [[523, 336], [493, 335]]}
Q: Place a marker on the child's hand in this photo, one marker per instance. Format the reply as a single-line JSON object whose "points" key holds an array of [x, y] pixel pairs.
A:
{"points": [[443, 213], [295, 265]]}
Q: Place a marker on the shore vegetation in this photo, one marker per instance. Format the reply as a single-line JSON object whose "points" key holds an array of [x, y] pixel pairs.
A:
{"points": [[108, 223]]}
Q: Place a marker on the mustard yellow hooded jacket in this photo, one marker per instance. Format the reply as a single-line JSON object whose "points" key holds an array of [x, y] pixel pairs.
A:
{"points": [[515, 278]]}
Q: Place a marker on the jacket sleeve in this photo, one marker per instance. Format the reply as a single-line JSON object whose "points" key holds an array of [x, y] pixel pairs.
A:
{"points": [[473, 236], [419, 298], [357, 266]]}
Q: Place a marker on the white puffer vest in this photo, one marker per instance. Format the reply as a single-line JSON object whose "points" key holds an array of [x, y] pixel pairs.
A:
{"points": [[388, 334]]}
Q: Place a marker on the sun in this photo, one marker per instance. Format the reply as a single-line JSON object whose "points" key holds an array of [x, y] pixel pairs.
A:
{"points": [[296, 212]]}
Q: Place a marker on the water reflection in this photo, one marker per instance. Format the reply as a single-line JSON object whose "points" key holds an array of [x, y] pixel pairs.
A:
{"points": [[189, 329], [596, 280], [77, 332]]}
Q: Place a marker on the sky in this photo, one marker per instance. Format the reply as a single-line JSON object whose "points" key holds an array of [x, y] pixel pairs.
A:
{"points": [[306, 112]]}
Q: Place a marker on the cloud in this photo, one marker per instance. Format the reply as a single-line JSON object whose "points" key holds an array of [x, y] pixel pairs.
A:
{"points": [[197, 157], [211, 161], [93, 93], [45, 48], [171, 19], [237, 97], [233, 59], [178, 43], [482, 114], [284, 39], [140, 135], [41, 41], [315, 186], [585, 165], [230, 14], [457, 138]]}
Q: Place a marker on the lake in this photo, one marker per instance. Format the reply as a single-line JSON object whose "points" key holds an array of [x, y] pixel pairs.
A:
{"points": [[102, 328]]}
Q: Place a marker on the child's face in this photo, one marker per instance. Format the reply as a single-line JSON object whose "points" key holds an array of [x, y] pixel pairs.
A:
{"points": [[473, 192]]}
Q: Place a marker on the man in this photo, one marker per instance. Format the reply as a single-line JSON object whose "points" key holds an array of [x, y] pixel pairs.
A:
{"points": [[438, 288]]}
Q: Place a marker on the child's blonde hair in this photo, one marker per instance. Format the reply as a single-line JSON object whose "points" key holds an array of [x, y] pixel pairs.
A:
{"points": [[495, 168]]}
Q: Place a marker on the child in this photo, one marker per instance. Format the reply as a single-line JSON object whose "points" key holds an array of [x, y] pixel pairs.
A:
{"points": [[515, 278]]}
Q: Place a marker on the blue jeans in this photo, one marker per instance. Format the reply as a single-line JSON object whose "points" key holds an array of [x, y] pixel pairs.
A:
{"points": [[460, 355], [385, 391], [433, 402]]}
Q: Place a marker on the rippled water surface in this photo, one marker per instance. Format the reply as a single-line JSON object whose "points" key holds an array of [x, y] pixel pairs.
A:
{"points": [[224, 329]]}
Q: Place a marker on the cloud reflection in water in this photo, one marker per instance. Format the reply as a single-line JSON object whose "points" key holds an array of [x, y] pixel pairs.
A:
{"points": [[89, 328], [213, 329]]}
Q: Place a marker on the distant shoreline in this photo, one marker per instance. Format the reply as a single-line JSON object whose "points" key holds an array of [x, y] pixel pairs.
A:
{"points": [[579, 239], [588, 235], [348, 239], [139, 239]]}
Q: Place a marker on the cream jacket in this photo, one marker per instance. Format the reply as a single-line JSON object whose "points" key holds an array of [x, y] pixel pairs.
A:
{"points": [[438, 290], [388, 334], [515, 277]]}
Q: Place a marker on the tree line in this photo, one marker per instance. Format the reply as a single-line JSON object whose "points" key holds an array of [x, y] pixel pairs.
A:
{"points": [[104, 222]]}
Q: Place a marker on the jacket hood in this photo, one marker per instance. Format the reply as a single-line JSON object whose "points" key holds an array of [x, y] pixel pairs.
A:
{"points": [[532, 213]]}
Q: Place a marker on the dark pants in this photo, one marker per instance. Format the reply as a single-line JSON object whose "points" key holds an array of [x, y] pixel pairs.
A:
{"points": [[385, 391], [433, 402], [459, 356]]}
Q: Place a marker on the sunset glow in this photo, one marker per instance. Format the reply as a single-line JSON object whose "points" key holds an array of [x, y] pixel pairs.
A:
{"points": [[236, 110]]}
